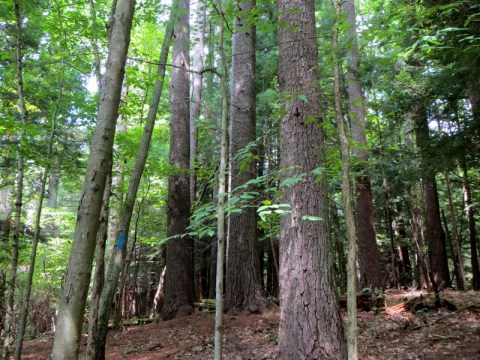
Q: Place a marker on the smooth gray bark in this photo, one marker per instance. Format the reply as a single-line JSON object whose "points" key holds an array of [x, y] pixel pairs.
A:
{"points": [[75, 288]]}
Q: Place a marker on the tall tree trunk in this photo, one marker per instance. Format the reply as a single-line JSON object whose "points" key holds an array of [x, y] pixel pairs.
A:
{"points": [[347, 196], [243, 290], [196, 97], [179, 275], [371, 274], [77, 279], [117, 259], [434, 234], [195, 105], [218, 342], [307, 291], [9, 308], [472, 229]]}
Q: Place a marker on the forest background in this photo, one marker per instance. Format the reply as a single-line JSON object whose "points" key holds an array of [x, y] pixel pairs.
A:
{"points": [[402, 78]]}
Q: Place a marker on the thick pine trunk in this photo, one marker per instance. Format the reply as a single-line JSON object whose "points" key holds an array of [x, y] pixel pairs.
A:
{"points": [[310, 321], [75, 288], [434, 234], [179, 275], [371, 274], [244, 291]]}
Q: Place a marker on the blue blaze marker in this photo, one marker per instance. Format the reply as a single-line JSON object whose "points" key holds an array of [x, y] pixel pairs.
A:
{"points": [[121, 241]]}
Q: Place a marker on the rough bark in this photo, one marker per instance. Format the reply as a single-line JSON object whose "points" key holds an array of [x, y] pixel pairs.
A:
{"points": [[310, 321], [75, 288], [179, 275], [371, 274], [434, 234], [243, 290], [9, 308]]}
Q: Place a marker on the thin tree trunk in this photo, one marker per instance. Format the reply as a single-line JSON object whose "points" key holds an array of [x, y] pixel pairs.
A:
{"points": [[99, 275], [196, 98], [456, 240], [9, 308], [36, 236], [218, 354], [307, 291], [180, 273], [347, 196], [371, 274], [77, 279], [472, 229]]}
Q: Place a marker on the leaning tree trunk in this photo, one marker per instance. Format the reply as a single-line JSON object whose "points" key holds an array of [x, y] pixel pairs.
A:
{"points": [[179, 275], [9, 308], [310, 320], [371, 274], [117, 258], [75, 288], [347, 196], [243, 284]]}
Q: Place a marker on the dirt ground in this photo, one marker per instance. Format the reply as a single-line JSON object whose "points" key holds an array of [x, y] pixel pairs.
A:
{"points": [[391, 333]]}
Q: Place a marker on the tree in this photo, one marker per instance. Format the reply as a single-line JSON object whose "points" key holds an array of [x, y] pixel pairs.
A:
{"points": [[9, 309], [371, 274], [244, 291], [179, 274], [75, 288], [310, 321]]}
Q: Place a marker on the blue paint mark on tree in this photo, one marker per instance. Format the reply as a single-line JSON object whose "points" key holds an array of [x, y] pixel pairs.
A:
{"points": [[121, 241]]}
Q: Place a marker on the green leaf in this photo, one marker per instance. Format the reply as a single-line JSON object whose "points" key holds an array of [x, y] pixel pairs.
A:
{"points": [[312, 218]]}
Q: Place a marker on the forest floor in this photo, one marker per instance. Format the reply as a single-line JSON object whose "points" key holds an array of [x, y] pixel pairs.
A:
{"points": [[393, 332]]}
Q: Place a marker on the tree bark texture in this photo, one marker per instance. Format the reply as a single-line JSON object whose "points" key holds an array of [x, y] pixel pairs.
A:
{"points": [[243, 290], [75, 288], [10, 293], [179, 275], [371, 274], [310, 321], [434, 234]]}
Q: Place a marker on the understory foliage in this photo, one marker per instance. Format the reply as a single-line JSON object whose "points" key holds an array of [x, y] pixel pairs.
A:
{"points": [[412, 54]]}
